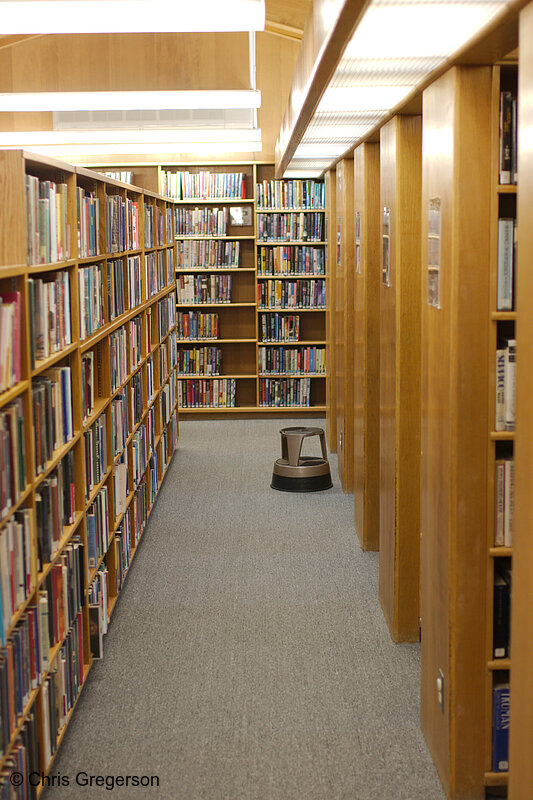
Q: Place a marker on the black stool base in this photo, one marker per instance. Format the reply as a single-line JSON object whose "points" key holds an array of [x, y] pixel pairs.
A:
{"points": [[316, 483]]}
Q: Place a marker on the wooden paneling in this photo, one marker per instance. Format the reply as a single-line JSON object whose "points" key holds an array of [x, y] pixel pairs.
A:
{"points": [[457, 124], [521, 735], [344, 331], [330, 182], [367, 279], [275, 60], [399, 560], [151, 62]]}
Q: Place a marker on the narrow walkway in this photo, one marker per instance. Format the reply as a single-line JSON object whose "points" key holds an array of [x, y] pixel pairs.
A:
{"points": [[248, 658]]}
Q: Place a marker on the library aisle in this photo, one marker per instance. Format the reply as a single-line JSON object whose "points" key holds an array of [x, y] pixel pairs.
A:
{"points": [[248, 658]]}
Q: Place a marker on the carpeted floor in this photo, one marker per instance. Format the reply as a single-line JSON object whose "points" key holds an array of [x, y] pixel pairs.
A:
{"points": [[248, 658]]}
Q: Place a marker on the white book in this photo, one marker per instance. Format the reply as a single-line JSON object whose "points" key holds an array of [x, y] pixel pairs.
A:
{"points": [[505, 264], [510, 384], [499, 423]]}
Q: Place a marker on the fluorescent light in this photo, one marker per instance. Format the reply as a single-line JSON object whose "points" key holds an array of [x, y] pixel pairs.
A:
{"points": [[130, 16], [418, 29], [178, 149], [362, 98], [112, 137], [125, 101], [300, 173], [319, 150], [333, 133]]}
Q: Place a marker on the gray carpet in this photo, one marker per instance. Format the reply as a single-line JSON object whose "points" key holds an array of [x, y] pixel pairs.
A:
{"points": [[248, 658]]}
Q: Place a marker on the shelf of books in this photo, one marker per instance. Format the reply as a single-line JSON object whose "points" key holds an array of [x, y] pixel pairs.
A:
{"points": [[502, 348], [291, 292], [88, 425]]}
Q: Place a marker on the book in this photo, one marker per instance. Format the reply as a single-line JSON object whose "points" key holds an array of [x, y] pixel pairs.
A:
{"points": [[501, 611], [506, 257], [500, 726]]}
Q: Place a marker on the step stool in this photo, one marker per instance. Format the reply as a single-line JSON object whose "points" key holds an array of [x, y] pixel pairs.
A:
{"points": [[296, 473]]}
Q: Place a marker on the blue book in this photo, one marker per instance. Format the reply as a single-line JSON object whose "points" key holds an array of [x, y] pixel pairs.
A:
{"points": [[91, 538], [500, 727]]}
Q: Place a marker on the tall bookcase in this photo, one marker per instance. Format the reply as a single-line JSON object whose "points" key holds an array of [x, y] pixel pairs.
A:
{"points": [[366, 344], [90, 277], [291, 284], [399, 435], [344, 320], [330, 183], [521, 732]]}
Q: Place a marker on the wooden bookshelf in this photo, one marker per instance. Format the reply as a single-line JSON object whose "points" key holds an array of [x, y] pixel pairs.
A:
{"points": [[331, 394], [521, 683], [456, 507], [154, 306], [399, 512], [344, 320], [367, 278], [277, 255]]}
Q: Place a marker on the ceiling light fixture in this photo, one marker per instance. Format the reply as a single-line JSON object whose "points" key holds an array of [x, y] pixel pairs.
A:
{"points": [[130, 16], [126, 101]]}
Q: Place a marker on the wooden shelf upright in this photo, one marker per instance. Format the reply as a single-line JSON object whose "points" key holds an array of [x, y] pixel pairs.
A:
{"points": [[456, 238], [399, 511], [331, 268], [367, 278], [344, 320], [521, 684]]}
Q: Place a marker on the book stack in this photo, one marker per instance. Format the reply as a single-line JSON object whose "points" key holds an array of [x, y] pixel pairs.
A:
{"points": [[88, 216], [508, 139], [52, 413], [195, 325], [200, 361], [292, 359], [55, 505], [282, 392], [201, 221], [139, 454], [136, 355], [140, 509], [290, 260], [118, 360], [214, 393], [122, 547], [48, 231], [92, 284], [115, 288], [291, 294], [279, 328], [166, 316], [120, 485], [10, 339], [157, 271], [13, 473], [95, 453], [136, 397], [168, 402], [505, 384], [203, 185], [193, 289], [120, 427], [134, 281], [506, 263], [98, 527], [207, 253], [16, 579], [50, 315], [149, 238], [150, 382], [302, 226], [302, 193]]}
